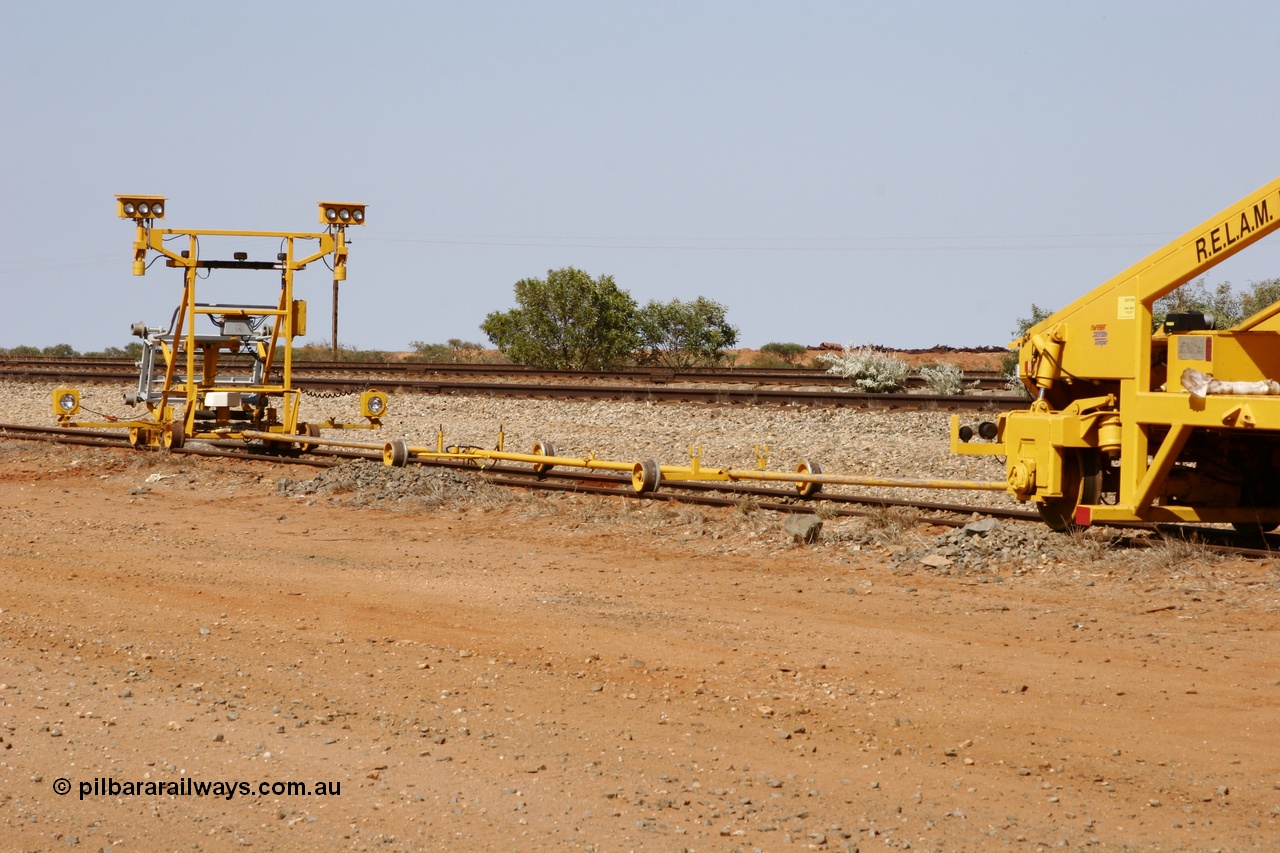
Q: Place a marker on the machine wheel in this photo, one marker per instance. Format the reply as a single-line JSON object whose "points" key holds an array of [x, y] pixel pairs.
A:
{"points": [[172, 437], [1081, 486], [543, 448], [137, 438], [808, 490], [646, 476], [396, 453]]}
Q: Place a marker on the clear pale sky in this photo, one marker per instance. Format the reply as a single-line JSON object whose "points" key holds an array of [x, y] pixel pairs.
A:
{"points": [[899, 173]]}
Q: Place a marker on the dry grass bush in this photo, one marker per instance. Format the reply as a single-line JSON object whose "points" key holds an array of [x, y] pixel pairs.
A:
{"points": [[689, 518], [340, 488], [1174, 553], [579, 509], [689, 515], [1124, 554], [890, 524], [154, 461], [825, 511], [1085, 545], [23, 451], [486, 496]]}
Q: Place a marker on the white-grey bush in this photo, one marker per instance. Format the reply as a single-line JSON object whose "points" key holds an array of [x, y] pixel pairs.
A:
{"points": [[868, 370], [943, 378]]}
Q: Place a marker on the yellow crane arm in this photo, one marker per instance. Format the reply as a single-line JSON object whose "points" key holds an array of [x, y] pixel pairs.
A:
{"points": [[1099, 334]]}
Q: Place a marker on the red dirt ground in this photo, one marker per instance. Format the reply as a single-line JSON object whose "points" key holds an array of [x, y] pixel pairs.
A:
{"points": [[570, 673]]}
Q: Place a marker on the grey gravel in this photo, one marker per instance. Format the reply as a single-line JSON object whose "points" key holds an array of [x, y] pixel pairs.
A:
{"points": [[881, 443]]}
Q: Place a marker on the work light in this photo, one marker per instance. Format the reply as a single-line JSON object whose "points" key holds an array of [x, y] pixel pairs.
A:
{"points": [[341, 213], [373, 404], [66, 401], [139, 207]]}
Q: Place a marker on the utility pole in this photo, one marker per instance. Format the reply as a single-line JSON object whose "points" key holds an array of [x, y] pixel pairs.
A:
{"points": [[335, 318]]}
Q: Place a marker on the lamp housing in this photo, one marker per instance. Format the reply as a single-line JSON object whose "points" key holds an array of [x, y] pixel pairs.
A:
{"points": [[140, 207], [341, 213]]}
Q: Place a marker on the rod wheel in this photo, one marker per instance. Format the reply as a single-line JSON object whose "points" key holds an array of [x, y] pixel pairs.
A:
{"points": [[137, 438], [543, 448], [808, 490], [396, 453], [646, 476], [1081, 486], [310, 431]]}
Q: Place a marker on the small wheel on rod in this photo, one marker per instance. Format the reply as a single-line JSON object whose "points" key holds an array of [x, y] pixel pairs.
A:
{"points": [[310, 431], [646, 476], [809, 489], [396, 453], [543, 448]]}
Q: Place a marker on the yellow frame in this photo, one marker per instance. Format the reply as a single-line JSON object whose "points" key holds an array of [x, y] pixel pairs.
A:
{"points": [[167, 428], [1105, 382]]}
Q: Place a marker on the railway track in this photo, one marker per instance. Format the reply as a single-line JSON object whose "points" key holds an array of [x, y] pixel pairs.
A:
{"points": [[595, 483], [585, 482], [44, 367], [712, 387]]}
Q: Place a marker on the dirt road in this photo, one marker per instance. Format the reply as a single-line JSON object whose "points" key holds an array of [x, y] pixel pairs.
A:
{"points": [[536, 672]]}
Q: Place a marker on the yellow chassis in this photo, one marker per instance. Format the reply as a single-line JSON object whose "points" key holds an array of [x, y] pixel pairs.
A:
{"points": [[194, 403]]}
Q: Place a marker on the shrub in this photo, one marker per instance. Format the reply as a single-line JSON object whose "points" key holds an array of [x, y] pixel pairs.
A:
{"points": [[867, 369], [454, 351], [791, 353], [768, 361], [943, 378], [323, 351]]}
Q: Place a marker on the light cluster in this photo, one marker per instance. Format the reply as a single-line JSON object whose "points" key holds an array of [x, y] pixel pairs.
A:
{"points": [[140, 206], [341, 213]]}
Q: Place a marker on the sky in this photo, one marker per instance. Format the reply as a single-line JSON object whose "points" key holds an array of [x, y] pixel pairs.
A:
{"points": [[898, 173]]}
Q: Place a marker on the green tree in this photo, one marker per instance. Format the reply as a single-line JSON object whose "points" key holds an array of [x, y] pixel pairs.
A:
{"points": [[1009, 362], [685, 334], [1038, 314], [567, 321], [133, 350], [1259, 296]]}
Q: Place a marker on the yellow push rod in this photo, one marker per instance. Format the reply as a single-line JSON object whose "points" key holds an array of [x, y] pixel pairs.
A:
{"points": [[669, 472], [588, 462], [674, 473]]}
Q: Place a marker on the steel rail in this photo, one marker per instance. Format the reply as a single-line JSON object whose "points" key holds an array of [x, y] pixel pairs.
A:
{"points": [[592, 483], [18, 366], [585, 482], [117, 441], [362, 374], [637, 393]]}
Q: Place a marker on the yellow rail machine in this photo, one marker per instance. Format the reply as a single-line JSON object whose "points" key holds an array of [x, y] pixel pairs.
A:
{"points": [[225, 370], [1131, 423]]}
